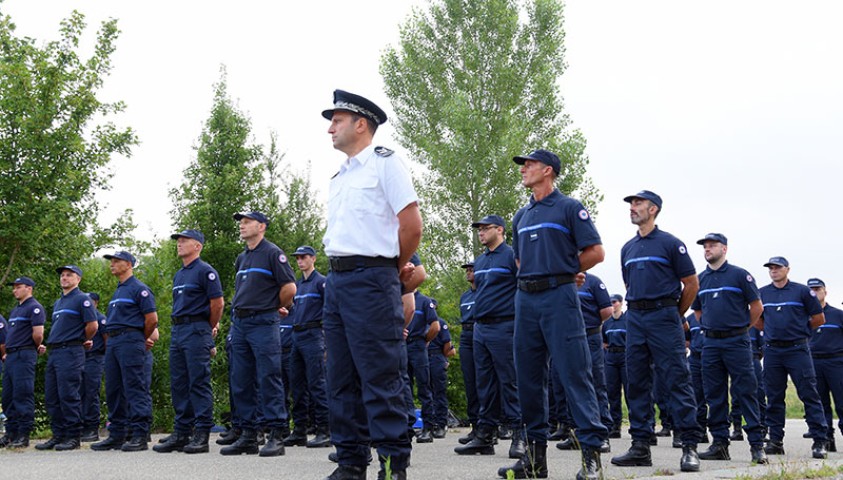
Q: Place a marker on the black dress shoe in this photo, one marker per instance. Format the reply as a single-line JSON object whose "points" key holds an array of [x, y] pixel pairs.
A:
{"points": [[135, 444], [716, 451], [49, 444], [638, 455], [774, 447], [90, 436], [818, 449], [758, 455], [110, 443], [348, 472], [68, 444], [690, 461], [425, 436]]}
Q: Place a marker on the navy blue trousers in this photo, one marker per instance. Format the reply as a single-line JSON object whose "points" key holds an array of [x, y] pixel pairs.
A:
{"points": [[363, 319], [190, 376], [550, 323], [598, 373], [616, 385], [469, 375], [779, 362], [558, 411], [256, 383], [127, 385], [695, 364], [409, 402], [62, 383], [19, 391], [722, 359], [656, 337], [307, 378], [830, 384], [90, 390], [439, 387], [419, 369], [497, 387]]}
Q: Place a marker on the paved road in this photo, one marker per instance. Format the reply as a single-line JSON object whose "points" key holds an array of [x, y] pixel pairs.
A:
{"points": [[430, 461]]}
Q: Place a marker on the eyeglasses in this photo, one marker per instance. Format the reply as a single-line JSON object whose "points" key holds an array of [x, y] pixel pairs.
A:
{"points": [[487, 227]]}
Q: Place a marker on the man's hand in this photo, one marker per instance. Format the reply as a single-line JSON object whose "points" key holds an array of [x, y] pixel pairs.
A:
{"points": [[406, 272], [282, 311], [580, 279], [88, 344], [214, 332], [149, 344], [42, 349]]}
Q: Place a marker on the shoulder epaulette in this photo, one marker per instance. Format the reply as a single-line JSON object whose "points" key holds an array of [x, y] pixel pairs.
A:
{"points": [[383, 151]]}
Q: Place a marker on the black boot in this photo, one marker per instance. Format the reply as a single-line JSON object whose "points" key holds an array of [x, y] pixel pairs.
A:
{"points": [[504, 432], [296, 439], [664, 432], [690, 461], [229, 436], [439, 432], [518, 447], [716, 451], [615, 433], [426, 436], [274, 444], [737, 432], [469, 437], [832, 446], [174, 443], [137, 443], [90, 436], [570, 443], [591, 469], [758, 455], [638, 455], [113, 442], [818, 449], [558, 434], [247, 443], [606, 447], [6, 439], [481, 444], [49, 444], [774, 447], [532, 464], [677, 439], [321, 440], [21, 441], [199, 442], [69, 443], [348, 472]]}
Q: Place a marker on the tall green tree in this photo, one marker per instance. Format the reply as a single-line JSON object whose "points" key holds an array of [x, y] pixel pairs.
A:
{"points": [[472, 85], [56, 140]]}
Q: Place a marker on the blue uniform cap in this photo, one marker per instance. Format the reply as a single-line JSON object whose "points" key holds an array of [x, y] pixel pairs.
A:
{"points": [[356, 104], [253, 215], [617, 297], [122, 255], [304, 250], [646, 195], [815, 283], [94, 296], [72, 268], [467, 265], [543, 156], [490, 220], [22, 281], [780, 261], [712, 237], [194, 234]]}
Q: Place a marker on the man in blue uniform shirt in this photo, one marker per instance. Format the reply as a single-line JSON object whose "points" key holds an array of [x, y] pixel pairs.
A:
{"points": [[197, 309], [92, 377], [439, 350], [25, 332], [827, 354], [614, 339], [791, 312], [494, 327], [661, 284], [554, 239], [422, 329], [727, 304], [263, 290], [131, 319], [74, 322], [373, 228], [467, 352], [307, 363]]}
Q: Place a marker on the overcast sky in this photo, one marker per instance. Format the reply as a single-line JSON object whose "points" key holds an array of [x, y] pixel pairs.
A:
{"points": [[731, 111]]}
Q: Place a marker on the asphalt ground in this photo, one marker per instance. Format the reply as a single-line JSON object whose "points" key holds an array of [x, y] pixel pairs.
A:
{"points": [[436, 460]]}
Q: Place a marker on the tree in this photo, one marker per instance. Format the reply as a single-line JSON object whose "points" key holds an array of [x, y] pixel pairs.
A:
{"points": [[472, 85], [55, 144]]}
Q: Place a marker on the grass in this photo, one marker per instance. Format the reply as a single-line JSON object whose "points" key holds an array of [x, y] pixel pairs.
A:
{"points": [[794, 472], [663, 472]]}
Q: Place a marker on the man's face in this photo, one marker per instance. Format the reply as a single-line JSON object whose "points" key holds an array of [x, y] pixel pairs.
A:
{"points": [[469, 274], [187, 246], [343, 129], [714, 251], [778, 273], [21, 291], [533, 173], [820, 292], [616, 306], [640, 211], [489, 234], [250, 228], [305, 262], [69, 280], [119, 267]]}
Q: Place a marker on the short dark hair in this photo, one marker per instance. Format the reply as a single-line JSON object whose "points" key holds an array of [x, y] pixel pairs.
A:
{"points": [[373, 127]]}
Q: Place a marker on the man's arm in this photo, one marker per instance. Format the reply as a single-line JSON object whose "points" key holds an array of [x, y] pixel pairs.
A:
{"points": [[286, 294], [591, 256], [605, 313], [38, 335], [448, 350], [756, 308], [409, 233], [217, 305], [91, 329], [150, 323], [690, 287], [418, 276], [817, 320], [432, 332]]}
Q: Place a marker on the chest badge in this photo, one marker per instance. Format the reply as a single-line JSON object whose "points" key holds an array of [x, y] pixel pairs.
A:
{"points": [[716, 294], [778, 309]]}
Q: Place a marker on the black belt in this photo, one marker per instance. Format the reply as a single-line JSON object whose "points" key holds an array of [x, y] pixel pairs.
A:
{"points": [[725, 333], [121, 331], [416, 338], [652, 304], [95, 352], [345, 264], [17, 349], [245, 312], [75, 343], [545, 283], [189, 319], [492, 320], [307, 326], [616, 349], [467, 327], [592, 331], [791, 343], [826, 355], [696, 354]]}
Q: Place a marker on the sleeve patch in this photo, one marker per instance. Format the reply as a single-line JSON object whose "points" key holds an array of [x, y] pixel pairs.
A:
{"points": [[38, 310], [212, 276], [86, 303], [682, 249], [282, 258], [602, 287], [144, 293], [583, 214]]}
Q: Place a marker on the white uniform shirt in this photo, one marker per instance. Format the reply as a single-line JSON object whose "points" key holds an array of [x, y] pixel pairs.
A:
{"points": [[364, 200]]}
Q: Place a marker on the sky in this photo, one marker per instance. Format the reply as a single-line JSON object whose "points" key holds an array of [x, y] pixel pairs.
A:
{"points": [[731, 111]]}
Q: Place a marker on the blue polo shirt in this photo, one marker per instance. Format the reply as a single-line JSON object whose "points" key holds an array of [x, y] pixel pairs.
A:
{"points": [[194, 285], [130, 302], [467, 307], [756, 341], [614, 331], [70, 314], [828, 338], [260, 275], [652, 266], [423, 317], [548, 235], [310, 296], [98, 340], [788, 311], [23, 317], [724, 296], [3, 330], [593, 298], [285, 327], [441, 338], [494, 276], [694, 335]]}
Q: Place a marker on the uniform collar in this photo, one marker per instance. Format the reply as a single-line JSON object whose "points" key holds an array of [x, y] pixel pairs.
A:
{"points": [[309, 277], [128, 281], [722, 268], [360, 159], [72, 292], [257, 247], [191, 264], [549, 200], [652, 234]]}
